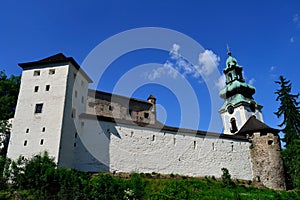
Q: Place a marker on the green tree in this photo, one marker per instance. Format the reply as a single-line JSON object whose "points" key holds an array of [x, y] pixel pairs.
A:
{"points": [[290, 111], [9, 90], [107, 187]]}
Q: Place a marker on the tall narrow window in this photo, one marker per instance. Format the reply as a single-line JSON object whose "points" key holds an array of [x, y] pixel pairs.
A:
{"points": [[36, 88], [36, 72], [38, 108], [27, 130], [47, 87], [233, 128], [42, 142], [195, 144], [25, 143], [75, 94], [110, 108], [82, 99], [229, 77], [73, 113], [51, 71], [43, 129]]}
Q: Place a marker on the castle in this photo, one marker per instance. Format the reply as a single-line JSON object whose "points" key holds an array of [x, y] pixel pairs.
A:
{"points": [[94, 131]]}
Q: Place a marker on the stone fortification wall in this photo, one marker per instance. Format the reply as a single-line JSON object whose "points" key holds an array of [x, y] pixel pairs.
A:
{"points": [[126, 148], [266, 160]]}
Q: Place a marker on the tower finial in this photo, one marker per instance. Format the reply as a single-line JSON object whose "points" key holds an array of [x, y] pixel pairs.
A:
{"points": [[228, 50]]}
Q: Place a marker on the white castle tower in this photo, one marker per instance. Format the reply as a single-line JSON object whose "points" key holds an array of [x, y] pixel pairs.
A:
{"points": [[239, 104], [44, 117]]}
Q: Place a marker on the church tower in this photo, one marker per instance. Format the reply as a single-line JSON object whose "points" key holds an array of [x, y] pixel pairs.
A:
{"points": [[239, 104]]}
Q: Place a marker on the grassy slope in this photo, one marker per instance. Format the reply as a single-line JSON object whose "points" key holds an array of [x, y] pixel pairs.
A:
{"points": [[165, 187]]}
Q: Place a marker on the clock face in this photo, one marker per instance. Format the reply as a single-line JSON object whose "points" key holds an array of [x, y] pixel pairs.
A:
{"points": [[230, 109]]}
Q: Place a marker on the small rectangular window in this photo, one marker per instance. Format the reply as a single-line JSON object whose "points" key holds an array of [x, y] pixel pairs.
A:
{"points": [[75, 94], [51, 71], [36, 88], [110, 108], [27, 130], [42, 142], [74, 144], [146, 115], [82, 99], [76, 135], [25, 143], [47, 87], [43, 129], [36, 72], [38, 108]]}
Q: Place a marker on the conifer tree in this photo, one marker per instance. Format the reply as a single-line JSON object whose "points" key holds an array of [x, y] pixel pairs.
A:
{"points": [[290, 111]]}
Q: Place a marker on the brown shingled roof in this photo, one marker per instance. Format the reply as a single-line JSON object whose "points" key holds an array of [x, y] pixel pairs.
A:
{"points": [[162, 127], [254, 125]]}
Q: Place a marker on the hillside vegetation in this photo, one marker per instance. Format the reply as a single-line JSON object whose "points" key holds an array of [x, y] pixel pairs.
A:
{"points": [[39, 178]]}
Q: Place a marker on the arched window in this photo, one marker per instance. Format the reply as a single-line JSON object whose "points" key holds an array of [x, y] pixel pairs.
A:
{"points": [[233, 128], [229, 77]]}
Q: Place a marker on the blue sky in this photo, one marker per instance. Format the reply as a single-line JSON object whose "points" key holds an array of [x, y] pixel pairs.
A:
{"points": [[263, 37]]}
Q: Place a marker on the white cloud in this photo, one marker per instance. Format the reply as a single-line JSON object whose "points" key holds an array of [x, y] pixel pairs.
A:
{"points": [[251, 81], [221, 82], [208, 62], [292, 40], [272, 68], [174, 52], [176, 63], [295, 18], [166, 69]]}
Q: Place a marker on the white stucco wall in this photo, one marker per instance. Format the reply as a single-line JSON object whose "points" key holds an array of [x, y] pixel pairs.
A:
{"points": [[76, 95], [124, 148], [28, 125], [241, 115]]}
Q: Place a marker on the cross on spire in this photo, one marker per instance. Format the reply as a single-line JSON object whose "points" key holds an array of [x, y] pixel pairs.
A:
{"points": [[228, 50]]}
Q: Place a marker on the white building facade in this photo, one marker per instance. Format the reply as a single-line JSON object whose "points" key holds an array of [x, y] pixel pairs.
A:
{"points": [[95, 131]]}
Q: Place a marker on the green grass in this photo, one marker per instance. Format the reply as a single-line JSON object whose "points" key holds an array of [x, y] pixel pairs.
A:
{"points": [[156, 187]]}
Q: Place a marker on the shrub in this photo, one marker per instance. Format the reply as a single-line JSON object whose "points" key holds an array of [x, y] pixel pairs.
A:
{"points": [[226, 178]]}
